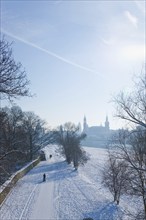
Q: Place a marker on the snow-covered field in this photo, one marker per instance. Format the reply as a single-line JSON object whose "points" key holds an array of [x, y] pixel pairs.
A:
{"points": [[66, 194]]}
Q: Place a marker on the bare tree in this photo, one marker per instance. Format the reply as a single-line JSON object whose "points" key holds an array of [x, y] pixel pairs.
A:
{"points": [[22, 134], [34, 132], [115, 176], [132, 145], [13, 79], [132, 149], [12, 148], [69, 138], [132, 107]]}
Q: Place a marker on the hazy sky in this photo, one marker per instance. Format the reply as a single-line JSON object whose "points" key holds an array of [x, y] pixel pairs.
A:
{"points": [[77, 54]]}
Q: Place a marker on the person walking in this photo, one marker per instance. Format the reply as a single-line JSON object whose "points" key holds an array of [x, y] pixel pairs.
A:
{"points": [[44, 177]]}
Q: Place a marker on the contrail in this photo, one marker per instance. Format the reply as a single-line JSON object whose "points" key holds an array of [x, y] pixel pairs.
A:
{"points": [[51, 53]]}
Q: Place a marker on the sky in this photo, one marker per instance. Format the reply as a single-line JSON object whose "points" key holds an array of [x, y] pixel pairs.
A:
{"points": [[77, 55]]}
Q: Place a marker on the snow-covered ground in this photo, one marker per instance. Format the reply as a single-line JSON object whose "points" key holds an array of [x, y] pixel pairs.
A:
{"points": [[67, 194]]}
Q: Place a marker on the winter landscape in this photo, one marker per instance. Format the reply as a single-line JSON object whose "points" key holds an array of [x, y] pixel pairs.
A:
{"points": [[72, 110], [66, 194]]}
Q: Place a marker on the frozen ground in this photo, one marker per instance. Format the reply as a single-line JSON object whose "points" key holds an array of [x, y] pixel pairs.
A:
{"points": [[66, 194]]}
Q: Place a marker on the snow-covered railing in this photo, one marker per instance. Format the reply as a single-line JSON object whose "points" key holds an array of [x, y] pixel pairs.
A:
{"points": [[8, 185]]}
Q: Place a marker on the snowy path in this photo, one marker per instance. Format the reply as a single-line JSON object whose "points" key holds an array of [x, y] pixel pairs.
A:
{"points": [[66, 194], [31, 198], [44, 210]]}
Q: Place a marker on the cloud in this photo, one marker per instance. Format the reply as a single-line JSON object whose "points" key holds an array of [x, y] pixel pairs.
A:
{"points": [[52, 54], [133, 19]]}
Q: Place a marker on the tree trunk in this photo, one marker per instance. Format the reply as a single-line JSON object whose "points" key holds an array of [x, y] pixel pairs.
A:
{"points": [[144, 203], [115, 197], [31, 146]]}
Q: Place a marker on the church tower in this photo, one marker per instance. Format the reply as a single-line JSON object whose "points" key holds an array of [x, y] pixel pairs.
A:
{"points": [[85, 125], [107, 123]]}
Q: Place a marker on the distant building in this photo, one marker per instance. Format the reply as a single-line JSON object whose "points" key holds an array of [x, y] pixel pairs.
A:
{"points": [[97, 136], [96, 130]]}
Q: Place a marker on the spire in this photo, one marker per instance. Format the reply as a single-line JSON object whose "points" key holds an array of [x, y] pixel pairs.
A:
{"points": [[85, 119], [107, 123], [106, 118], [85, 126]]}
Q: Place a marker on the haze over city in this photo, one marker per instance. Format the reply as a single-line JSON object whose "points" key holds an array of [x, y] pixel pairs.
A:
{"points": [[77, 55]]}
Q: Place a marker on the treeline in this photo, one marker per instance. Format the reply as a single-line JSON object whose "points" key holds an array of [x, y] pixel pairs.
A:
{"points": [[22, 135]]}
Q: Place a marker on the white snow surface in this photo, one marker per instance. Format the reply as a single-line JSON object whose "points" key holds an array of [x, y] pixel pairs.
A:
{"points": [[67, 194]]}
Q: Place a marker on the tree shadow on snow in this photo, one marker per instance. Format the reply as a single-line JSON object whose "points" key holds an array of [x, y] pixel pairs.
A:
{"points": [[54, 171], [61, 171], [108, 211]]}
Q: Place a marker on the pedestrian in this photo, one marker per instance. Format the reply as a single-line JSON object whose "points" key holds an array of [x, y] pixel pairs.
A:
{"points": [[44, 177]]}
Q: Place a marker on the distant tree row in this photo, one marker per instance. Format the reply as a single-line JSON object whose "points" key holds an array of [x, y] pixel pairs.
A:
{"points": [[125, 172]]}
